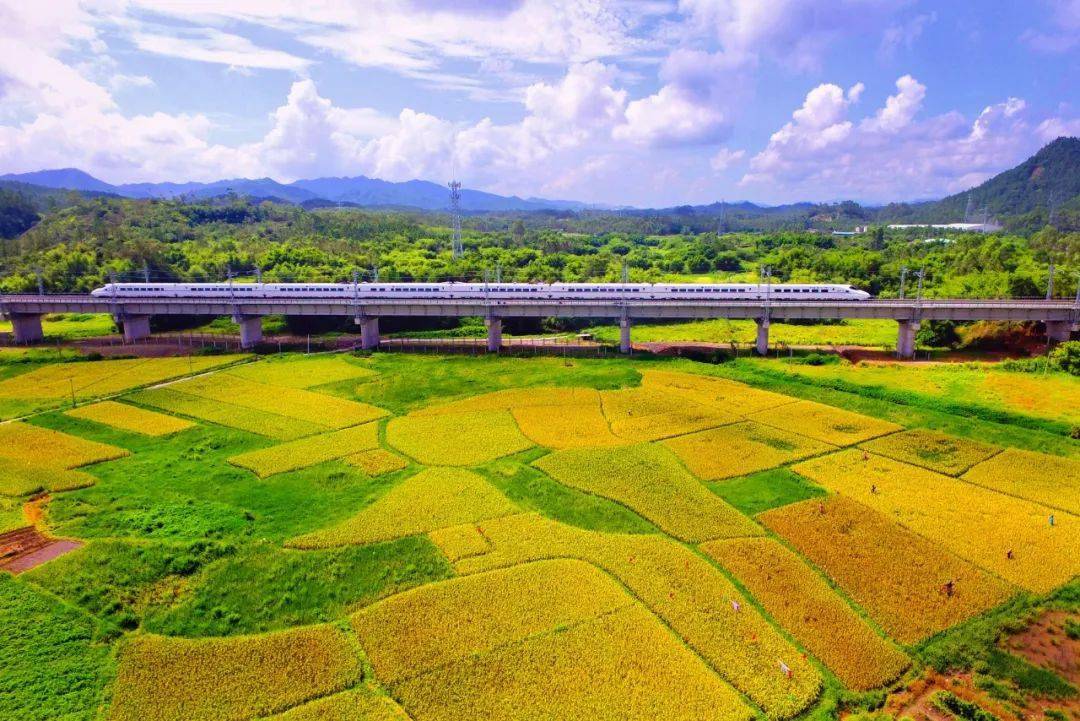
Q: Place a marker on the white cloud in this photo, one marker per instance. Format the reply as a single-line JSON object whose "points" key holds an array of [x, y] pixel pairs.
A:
{"points": [[213, 46], [726, 158], [672, 117], [795, 32], [903, 35], [120, 82], [1054, 128], [1063, 33], [892, 154], [900, 108]]}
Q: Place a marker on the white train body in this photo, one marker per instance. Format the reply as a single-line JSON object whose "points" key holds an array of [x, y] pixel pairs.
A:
{"points": [[489, 291]]}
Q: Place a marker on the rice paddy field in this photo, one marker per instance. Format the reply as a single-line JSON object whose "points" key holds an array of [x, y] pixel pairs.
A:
{"points": [[395, 537]]}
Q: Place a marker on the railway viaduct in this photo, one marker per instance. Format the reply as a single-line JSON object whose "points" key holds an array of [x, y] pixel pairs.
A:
{"points": [[1061, 316]]}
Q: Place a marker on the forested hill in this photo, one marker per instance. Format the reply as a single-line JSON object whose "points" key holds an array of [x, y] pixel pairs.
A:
{"points": [[1048, 180], [78, 247]]}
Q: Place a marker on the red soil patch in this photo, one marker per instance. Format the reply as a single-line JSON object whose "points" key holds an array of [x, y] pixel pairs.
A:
{"points": [[33, 559], [1045, 643], [27, 547]]}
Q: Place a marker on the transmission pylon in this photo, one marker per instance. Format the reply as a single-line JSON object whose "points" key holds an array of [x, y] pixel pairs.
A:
{"points": [[455, 216], [721, 227], [970, 209]]}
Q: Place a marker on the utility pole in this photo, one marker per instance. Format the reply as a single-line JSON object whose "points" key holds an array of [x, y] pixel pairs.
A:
{"points": [[1050, 283], [920, 274], [258, 274], [766, 273], [455, 217], [903, 277], [625, 271], [146, 271], [40, 281]]}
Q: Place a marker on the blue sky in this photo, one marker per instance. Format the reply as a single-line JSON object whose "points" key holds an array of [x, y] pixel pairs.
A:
{"points": [[637, 102]]}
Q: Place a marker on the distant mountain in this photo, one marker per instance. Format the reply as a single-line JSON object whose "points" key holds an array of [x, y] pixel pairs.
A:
{"points": [[359, 191], [66, 178]]}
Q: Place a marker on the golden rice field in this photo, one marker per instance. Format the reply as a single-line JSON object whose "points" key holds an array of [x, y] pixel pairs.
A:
{"points": [[377, 461], [54, 385], [741, 449], [898, 577], [825, 423], [433, 498], [1055, 396], [810, 610], [294, 455], [938, 452], [684, 590], [426, 628], [387, 538], [1051, 480], [569, 426], [176, 679], [722, 393], [270, 425], [304, 373], [649, 479], [974, 522], [456, 439], [548, 639], [362, 703], [131, 418], [643, 414], [43, 447], [23, 478], [327, 411]]}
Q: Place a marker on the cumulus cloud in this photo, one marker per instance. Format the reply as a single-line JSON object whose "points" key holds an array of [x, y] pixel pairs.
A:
{"points": [[892, 154]]}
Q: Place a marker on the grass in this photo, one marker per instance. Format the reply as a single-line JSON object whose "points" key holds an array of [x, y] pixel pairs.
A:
{"points": [[405, 382], [875, 333], [768, 489], [51, 667], [533, 490], [182, 488], [116, 580], [263, 587], [71, 326]]}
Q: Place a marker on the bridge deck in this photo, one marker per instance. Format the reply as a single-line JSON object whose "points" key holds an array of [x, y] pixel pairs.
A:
{"points": [[927, 309]]}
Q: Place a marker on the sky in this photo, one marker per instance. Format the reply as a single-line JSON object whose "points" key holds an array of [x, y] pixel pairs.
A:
{"points": [[628, 102]]}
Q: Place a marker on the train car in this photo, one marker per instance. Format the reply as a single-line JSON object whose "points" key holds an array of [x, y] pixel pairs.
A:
{"points": [[491, 291]]}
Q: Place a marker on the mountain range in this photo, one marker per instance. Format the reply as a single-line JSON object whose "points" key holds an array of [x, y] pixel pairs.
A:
{"points": [[357, 191], [1049, 180]]}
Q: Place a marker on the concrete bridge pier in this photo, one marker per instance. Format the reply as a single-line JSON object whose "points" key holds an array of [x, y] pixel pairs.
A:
{"points": [[624, 336], [905, 341], [762, 344], [26, 327], [494, 333], [1058, 331], [136, 327], [251, 330], [369, 331]]}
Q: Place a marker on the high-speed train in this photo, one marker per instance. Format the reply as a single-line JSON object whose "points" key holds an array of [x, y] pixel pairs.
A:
{"points": [[491, 291]]}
